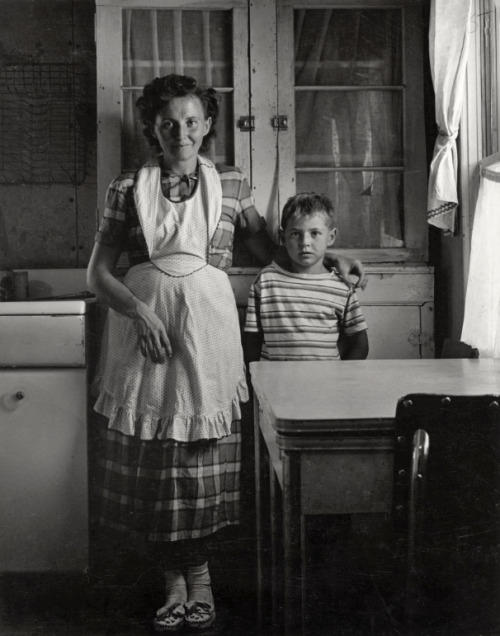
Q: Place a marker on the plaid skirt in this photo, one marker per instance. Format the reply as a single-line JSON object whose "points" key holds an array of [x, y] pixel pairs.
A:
{"points": [[166, 490]]}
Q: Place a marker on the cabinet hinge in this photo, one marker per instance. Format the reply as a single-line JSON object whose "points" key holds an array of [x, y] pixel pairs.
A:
{"points": [[246, 123], [280, 122], [420, 338]]}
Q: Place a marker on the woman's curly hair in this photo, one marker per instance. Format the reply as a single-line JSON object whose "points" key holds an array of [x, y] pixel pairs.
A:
{"points": [[161, 90]]}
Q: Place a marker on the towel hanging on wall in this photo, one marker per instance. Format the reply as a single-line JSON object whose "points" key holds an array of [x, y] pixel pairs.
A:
{"points": [[448, 48]]}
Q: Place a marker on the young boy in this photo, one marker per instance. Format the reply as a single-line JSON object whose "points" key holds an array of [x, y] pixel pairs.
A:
{"points": [[299, 311]]}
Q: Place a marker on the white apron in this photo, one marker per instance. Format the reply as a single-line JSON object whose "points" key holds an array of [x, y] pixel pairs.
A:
{"points": [[196, 393]]}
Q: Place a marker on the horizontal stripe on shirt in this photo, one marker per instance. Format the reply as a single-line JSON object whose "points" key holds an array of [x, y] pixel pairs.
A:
{"points": [[301, 316]]}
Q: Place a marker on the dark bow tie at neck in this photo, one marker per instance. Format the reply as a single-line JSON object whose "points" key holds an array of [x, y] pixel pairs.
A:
{"points": [[173, 176], [184, 182]]}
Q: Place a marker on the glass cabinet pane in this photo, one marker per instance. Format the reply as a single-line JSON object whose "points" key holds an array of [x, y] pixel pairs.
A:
{"points": [[368, 205], [349, 97], [347, 47], [348, 128], [157, 42]]}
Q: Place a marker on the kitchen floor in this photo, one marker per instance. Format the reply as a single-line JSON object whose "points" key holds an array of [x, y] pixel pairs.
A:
{"points": [[349, 599], [349, 575], [123, 604], [122, 620], [121, 591], [118, 604]]}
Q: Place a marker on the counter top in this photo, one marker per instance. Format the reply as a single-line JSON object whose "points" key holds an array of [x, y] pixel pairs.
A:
{"points": [[55, 307]]}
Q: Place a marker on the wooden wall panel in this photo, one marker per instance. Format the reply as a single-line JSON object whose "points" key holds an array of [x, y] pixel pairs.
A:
{"points": [[47, 177]]}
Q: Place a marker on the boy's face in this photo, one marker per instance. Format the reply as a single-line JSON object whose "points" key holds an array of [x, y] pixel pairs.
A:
{"points": [[306, 240]]}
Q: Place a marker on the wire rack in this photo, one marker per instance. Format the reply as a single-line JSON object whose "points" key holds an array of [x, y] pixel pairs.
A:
{"points": [[41, 140]]}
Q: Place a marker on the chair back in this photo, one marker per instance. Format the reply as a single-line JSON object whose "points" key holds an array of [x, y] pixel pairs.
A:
{"points": [[446, 508], [458, 349]]}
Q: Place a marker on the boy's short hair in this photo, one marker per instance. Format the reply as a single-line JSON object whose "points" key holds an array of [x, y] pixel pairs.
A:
{"points": [[307, 204]]}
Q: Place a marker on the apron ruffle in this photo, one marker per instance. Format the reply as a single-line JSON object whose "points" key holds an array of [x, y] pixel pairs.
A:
{"points": [[147, 426]]}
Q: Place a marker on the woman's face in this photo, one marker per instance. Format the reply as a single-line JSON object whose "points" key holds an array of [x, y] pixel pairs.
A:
{"points": [[180, 127]]}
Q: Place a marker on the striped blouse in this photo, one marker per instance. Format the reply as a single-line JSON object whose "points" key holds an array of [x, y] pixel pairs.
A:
{"points": [[301, 315]]}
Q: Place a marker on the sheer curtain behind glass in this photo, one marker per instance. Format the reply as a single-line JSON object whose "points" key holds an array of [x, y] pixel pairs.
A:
{"points": [[157, 42], [481, 328], [348, 103]]}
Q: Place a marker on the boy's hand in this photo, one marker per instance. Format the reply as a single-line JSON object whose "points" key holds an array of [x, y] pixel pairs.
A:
{"points": [[252, 346], [354, 347]]}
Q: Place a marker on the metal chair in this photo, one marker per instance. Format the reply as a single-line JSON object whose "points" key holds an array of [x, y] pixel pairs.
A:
{"points": [[458, 349], [446, 513]]}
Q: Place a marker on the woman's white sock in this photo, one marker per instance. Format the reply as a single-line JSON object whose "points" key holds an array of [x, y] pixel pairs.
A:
{"points": [[175, 588], [198, 582]]}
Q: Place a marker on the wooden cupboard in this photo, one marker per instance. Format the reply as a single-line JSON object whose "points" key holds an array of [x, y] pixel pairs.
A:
{"points": [[325, 96]]}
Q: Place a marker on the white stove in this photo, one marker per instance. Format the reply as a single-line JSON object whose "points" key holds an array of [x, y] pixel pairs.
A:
{"points": [[44, 380]]}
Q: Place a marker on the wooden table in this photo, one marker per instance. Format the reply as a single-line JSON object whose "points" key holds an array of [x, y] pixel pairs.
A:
{"points": [[326, 429]]}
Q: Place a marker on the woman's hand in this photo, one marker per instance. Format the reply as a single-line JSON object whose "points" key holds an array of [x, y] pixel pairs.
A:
{"points": [[152, 335], [348, 267]]}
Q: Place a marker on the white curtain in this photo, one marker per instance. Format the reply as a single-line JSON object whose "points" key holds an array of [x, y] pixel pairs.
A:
{"points": [[481, 327], [449, 31]]}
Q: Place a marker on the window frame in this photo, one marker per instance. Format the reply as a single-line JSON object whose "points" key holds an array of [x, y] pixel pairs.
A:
{"points": [[480, 121]]}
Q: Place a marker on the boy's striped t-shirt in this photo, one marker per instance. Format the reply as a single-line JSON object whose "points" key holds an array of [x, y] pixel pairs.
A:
{"points": [[301, 315]]}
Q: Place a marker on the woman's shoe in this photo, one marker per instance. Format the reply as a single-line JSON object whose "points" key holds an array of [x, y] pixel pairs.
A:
{"points": [[170, 619], [199, 615]]}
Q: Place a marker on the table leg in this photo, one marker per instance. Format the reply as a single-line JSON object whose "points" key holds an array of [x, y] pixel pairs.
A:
{"points": [[276, 552], [258, 515], [292, 535], [303, 572]]}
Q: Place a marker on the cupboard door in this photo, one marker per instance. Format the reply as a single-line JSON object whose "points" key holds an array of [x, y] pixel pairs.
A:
{"points": [[350, 86], [138, 41], [395, 331], [335, 91], [43, 470]]}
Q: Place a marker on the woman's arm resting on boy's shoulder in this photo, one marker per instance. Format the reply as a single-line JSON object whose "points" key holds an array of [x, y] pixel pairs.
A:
{"points": [[265, 250], [348, 267], [261, 246], [252, 346], [355, 347]]}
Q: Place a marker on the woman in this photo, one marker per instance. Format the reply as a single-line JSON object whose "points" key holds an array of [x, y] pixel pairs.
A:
{"points": [[171, 371]]}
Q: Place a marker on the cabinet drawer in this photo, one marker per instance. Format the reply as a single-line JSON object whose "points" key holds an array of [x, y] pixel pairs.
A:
{"points": [[42, 341]]}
